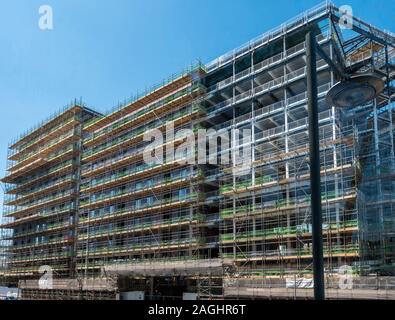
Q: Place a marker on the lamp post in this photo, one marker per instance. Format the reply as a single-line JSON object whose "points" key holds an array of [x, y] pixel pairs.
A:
{"points": [[315, 179], [351, 91]]}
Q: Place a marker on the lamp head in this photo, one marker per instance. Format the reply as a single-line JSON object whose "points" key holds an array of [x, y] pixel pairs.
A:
{"points": [[355, 91]]}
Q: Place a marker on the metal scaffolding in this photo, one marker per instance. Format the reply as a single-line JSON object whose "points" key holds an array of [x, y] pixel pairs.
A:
{"points": [[82, 199], [266, 227]]}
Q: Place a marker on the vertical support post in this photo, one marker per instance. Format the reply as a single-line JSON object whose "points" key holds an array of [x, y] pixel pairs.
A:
{"points": [[315, 181]]}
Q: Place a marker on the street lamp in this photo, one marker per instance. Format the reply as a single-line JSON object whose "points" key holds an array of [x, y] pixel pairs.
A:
{"points": [[355, 91], [351, 91], [315, 179]]}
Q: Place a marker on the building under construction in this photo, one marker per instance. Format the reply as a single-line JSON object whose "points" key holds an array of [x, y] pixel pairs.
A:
{"points": [[83, 200], [42, 195]]}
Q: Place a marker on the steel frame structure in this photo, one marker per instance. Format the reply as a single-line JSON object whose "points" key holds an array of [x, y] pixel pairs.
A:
{"points": [[78, 184]]}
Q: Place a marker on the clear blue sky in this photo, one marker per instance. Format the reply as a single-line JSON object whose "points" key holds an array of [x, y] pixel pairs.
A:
{"points": [[106, 50]]}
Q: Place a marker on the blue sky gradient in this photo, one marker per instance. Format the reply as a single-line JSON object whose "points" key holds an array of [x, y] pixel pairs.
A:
{"points": [[105, 51]]}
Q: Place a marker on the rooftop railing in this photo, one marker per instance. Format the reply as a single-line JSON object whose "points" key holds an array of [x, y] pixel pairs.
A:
{"points": [[302, 19], [151, 108], [48, 120], [312, 14], [138, 96]]}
